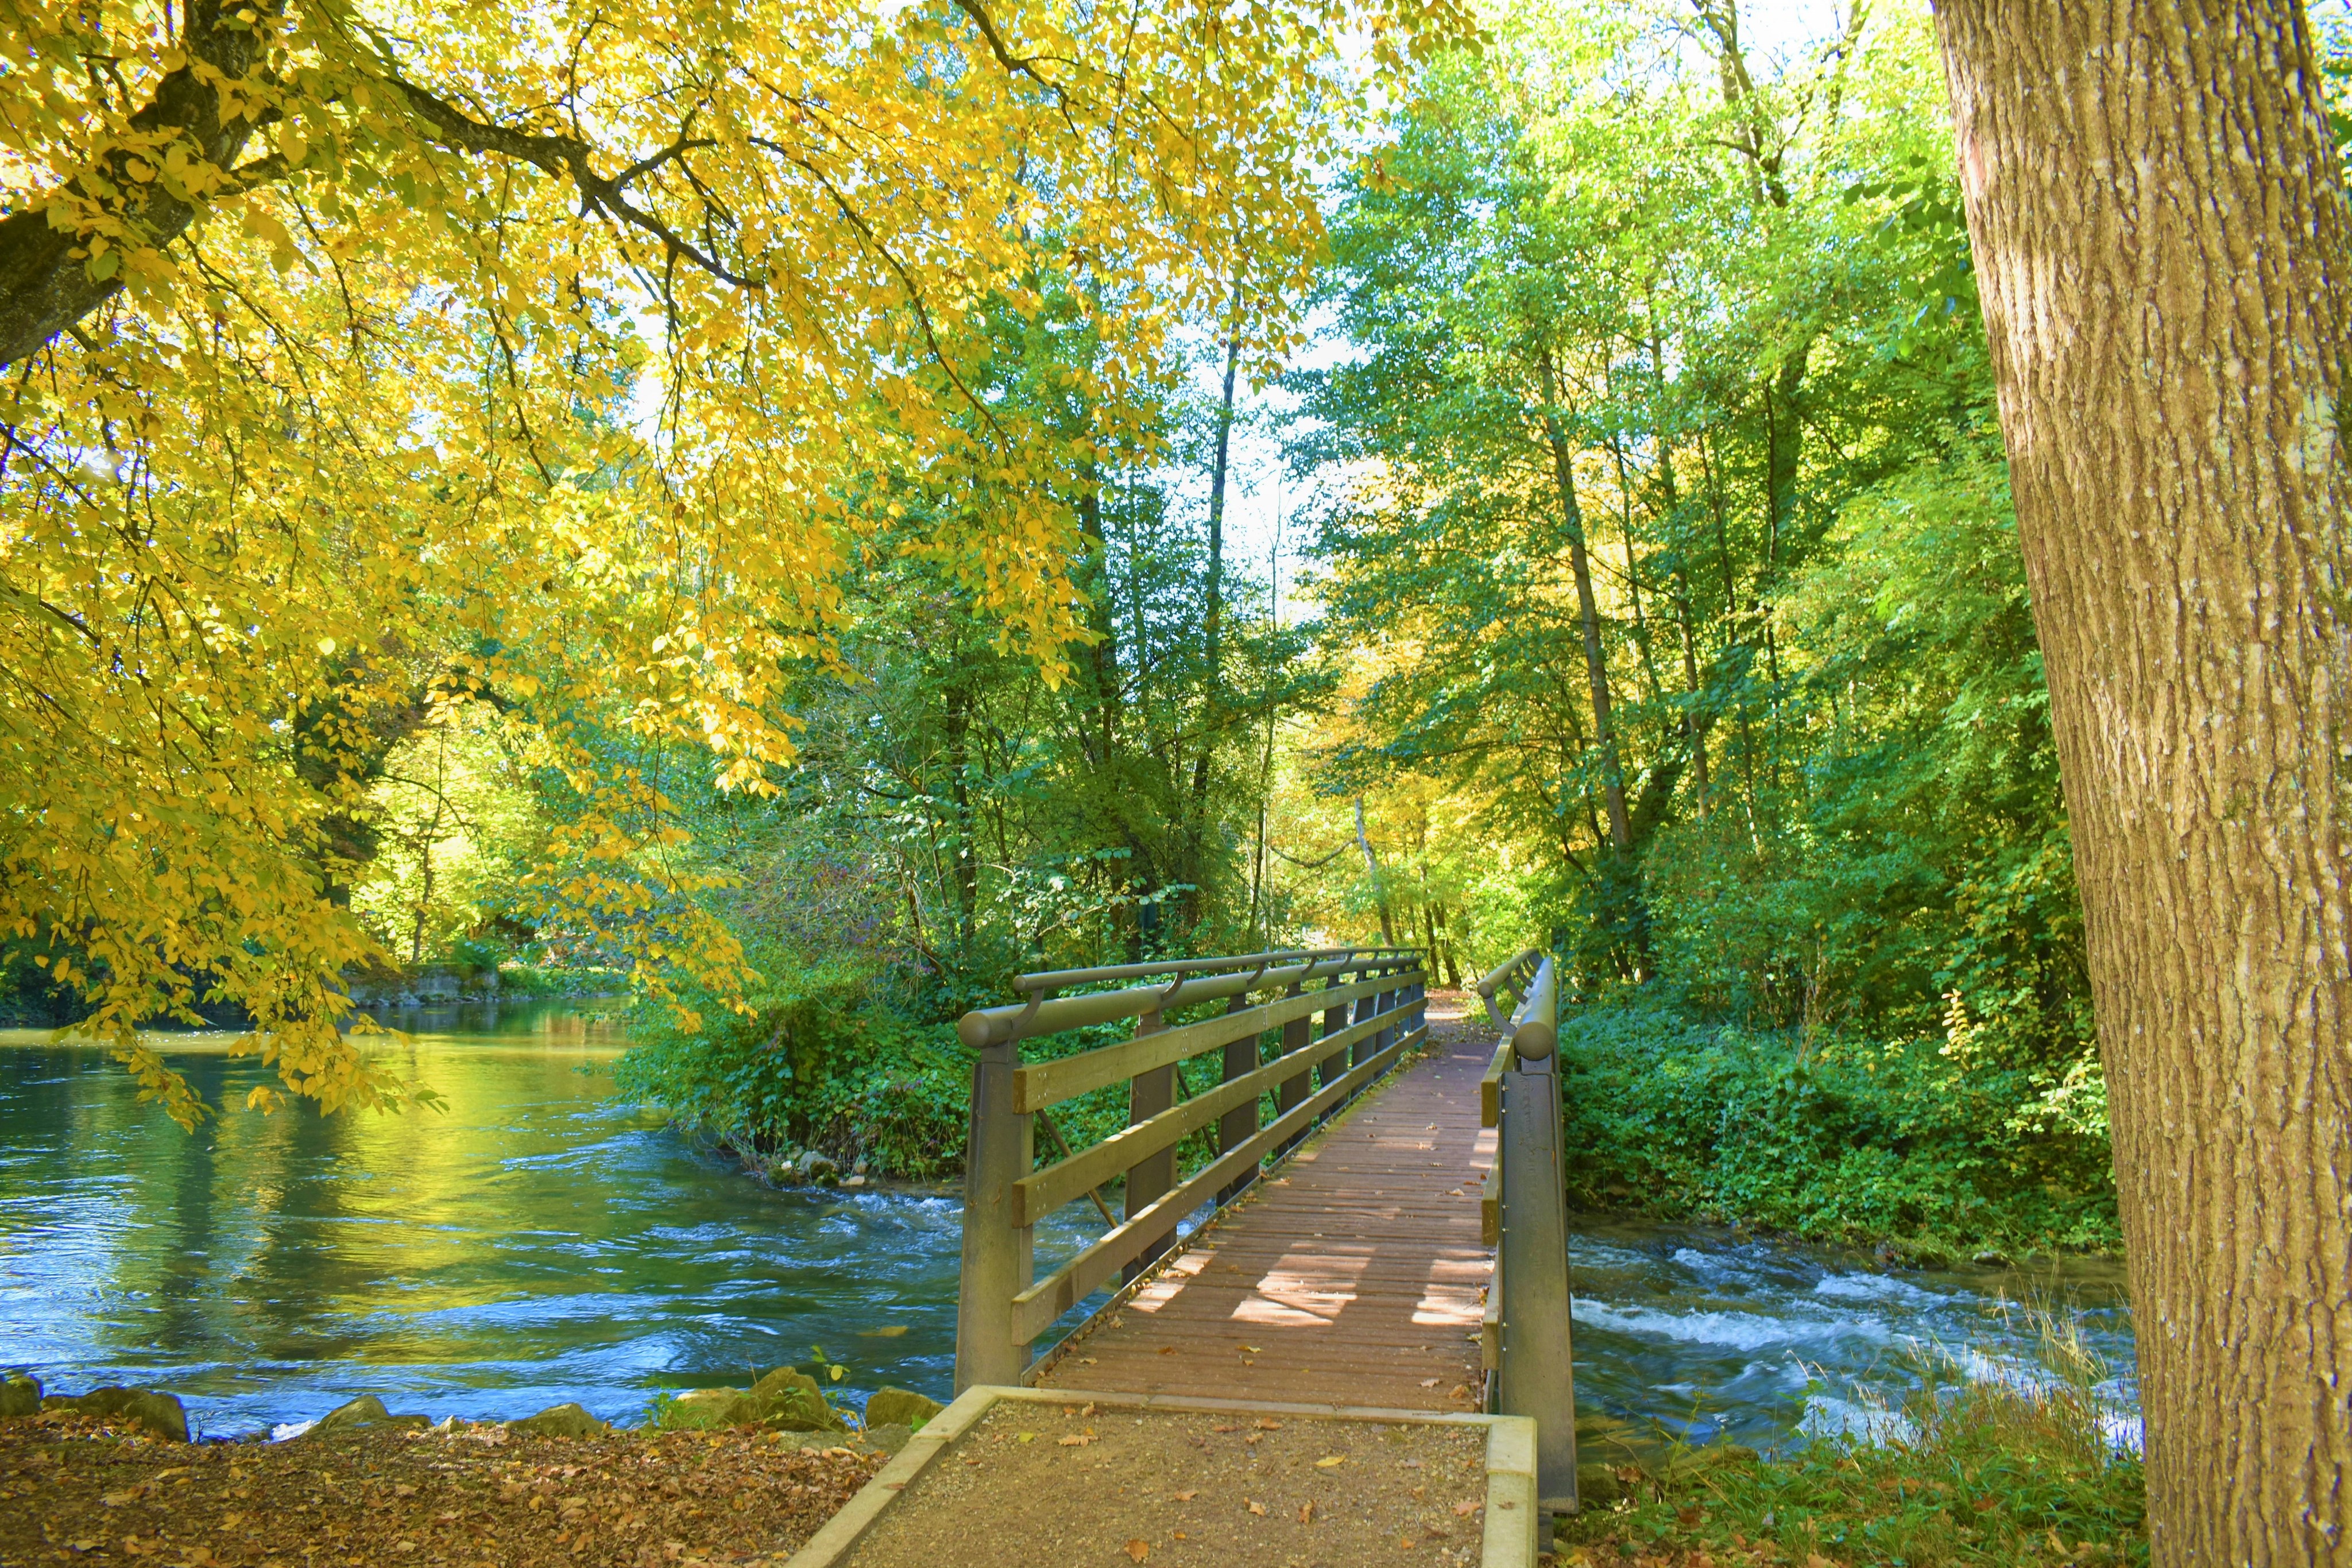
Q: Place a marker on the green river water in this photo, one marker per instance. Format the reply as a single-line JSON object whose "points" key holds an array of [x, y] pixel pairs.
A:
{"points": [[540, 1241]]}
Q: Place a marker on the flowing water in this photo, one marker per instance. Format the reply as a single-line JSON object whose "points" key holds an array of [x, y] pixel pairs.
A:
{"points": [[539, 1241]]}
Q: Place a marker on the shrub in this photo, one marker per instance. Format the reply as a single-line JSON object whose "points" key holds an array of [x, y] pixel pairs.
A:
{"points": [[1938, 1152]]}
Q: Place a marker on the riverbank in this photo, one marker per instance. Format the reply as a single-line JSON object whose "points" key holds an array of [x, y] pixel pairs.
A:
{"points": [[74, 1485], [1909, 1151], [1899, 1147], [1996, 1477]]}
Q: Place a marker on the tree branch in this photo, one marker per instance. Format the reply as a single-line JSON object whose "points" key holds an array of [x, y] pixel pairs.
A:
{"points": [[45, 289]]}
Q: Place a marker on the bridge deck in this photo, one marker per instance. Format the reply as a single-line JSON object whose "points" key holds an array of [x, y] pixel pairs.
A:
{"points": [[1351, 1276]]}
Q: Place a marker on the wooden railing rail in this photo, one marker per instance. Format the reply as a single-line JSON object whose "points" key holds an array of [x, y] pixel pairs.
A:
{"points": [[1524, 1215], [1370, 1003]]}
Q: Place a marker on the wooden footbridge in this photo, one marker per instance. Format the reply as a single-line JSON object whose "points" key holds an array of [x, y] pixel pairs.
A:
{"points": [[1323, 1200]]}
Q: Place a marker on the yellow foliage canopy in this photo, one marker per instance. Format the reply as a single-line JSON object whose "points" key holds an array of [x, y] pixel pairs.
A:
{"points": [[362, 359]]}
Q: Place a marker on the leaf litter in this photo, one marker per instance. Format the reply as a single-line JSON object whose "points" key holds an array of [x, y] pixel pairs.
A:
{"points": [[73, 1487]]}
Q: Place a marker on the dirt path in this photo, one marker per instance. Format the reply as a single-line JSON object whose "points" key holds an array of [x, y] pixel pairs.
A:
{"points": [[1044, 1486]]}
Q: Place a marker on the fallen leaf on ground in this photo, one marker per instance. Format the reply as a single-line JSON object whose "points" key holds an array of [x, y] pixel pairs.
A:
{"points": [[1330, 1461], [1168, 1350], [1251, 1348], [1465, 1508], [1138, 1549], [1224, 1428], [1431, 1382], [1306, 1513], [1258, 1507], [1186, 1496], [1074, 1441], [1265, 1425]]}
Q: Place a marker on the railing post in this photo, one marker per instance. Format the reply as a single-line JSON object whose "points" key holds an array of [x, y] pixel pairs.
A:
{"points": [[1148, 1094], [997, 1257], [1239, 1125], [1296, 1035], [1367, 1009], [1336, 1017], [1537, 1374]]}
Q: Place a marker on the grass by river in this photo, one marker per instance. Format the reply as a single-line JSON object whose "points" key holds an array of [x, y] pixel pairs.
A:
{"points": [[1993, 1474]]}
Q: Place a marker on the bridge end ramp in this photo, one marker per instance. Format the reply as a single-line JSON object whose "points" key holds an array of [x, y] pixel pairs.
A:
{"points": [[953, 1497]]}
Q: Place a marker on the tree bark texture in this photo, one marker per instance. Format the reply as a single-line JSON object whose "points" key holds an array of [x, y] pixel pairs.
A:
{"points": [[2158, 221]]}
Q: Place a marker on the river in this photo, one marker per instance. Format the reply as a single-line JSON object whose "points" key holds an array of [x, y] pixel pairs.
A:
{"points": [[538, 1241]]}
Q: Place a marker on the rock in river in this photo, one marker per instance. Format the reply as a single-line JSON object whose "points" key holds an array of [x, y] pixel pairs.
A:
{"points": [[789, 1401], [707, 1410], [20, 1395], [159, 1412], [899, 1407], [356, 1415], [561, 1421]]}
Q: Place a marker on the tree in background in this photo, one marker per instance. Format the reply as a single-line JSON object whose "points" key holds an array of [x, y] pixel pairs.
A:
{"points": [[1643, 388], [2158, 213], [1673, 551], [957, 814]]}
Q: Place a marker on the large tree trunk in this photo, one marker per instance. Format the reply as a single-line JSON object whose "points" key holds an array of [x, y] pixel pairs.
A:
{"points": [[2158, 221]]}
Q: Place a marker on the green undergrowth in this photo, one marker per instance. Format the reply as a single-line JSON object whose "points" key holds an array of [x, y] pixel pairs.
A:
{"points": [[1902, 1145], [819, 1062], [828, 1059], [520, 977], [1981, 1474]]}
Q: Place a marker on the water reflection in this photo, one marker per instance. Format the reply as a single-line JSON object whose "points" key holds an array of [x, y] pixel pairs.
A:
{"points": [[537, 1241], [533, 1242]]}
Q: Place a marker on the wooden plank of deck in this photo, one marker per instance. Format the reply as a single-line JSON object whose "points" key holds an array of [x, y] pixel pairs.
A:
{"points": [[1350, 1278]]}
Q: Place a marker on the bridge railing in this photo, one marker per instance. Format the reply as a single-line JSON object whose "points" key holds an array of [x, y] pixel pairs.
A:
{"points": [[1524, 1213], [1370, 1004]]}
